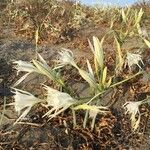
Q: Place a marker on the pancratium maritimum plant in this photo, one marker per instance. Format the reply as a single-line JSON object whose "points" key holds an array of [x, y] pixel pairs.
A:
{"points": [[98, 80], [36, 66], [134, 59], [96, 73], [59, 101], [132, 108], [24, 66], [23, 101], [66, 57]]}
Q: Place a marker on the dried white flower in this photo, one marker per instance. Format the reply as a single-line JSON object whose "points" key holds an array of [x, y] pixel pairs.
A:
{"points": [[66, 57], [132, 108], [134, 59], [24, 66], [23, 101], [36, 66], [59, 101]]}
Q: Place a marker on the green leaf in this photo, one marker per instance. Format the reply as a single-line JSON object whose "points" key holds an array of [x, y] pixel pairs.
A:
{"points": [[88, 77], [99, 54], [91, 107], [128, 11], [43, 69], [104, 76], [109, 82], [123, 16], [147, 42], [91, 46], [120, 60], [139, 17]]}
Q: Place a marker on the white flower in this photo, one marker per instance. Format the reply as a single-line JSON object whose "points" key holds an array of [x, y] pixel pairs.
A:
{"points": [[24, 66], [134, 59], [59, 101], [66, 57], [132, 108], [23, 101], [36, 66]]}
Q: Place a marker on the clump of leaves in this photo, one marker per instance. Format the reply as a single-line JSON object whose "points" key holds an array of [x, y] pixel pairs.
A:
{"points": [[57, 101], [96, 74]]}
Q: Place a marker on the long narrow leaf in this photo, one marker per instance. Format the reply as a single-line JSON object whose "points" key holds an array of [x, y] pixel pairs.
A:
{"points": [[91, 107], [88, 77], [120, 60], [89, 68], [139, 17], [104, 76], [123, 16], [21, 79], [147, 42], [91, 46], [99, 54]]}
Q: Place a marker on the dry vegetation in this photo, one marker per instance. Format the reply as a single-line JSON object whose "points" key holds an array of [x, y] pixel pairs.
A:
{"points": [[92, 117]]}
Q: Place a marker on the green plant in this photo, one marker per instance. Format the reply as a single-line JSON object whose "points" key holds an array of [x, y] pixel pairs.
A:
{"points": [[130, 22], [98, 81], [58, 18], [132, 108]]}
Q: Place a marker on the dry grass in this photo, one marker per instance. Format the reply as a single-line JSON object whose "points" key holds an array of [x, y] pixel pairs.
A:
{"points": [[59, 21]]}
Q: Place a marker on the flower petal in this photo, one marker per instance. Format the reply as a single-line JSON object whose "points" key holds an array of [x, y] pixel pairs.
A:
{"points": [[66, 57], [134, 59], [21, 79], [24, 66], [26, 111], [59, 101], [132, 108], [24, 99]]}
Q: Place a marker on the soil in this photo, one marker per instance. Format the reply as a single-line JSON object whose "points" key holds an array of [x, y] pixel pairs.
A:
{"points": [[112, 131]]}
